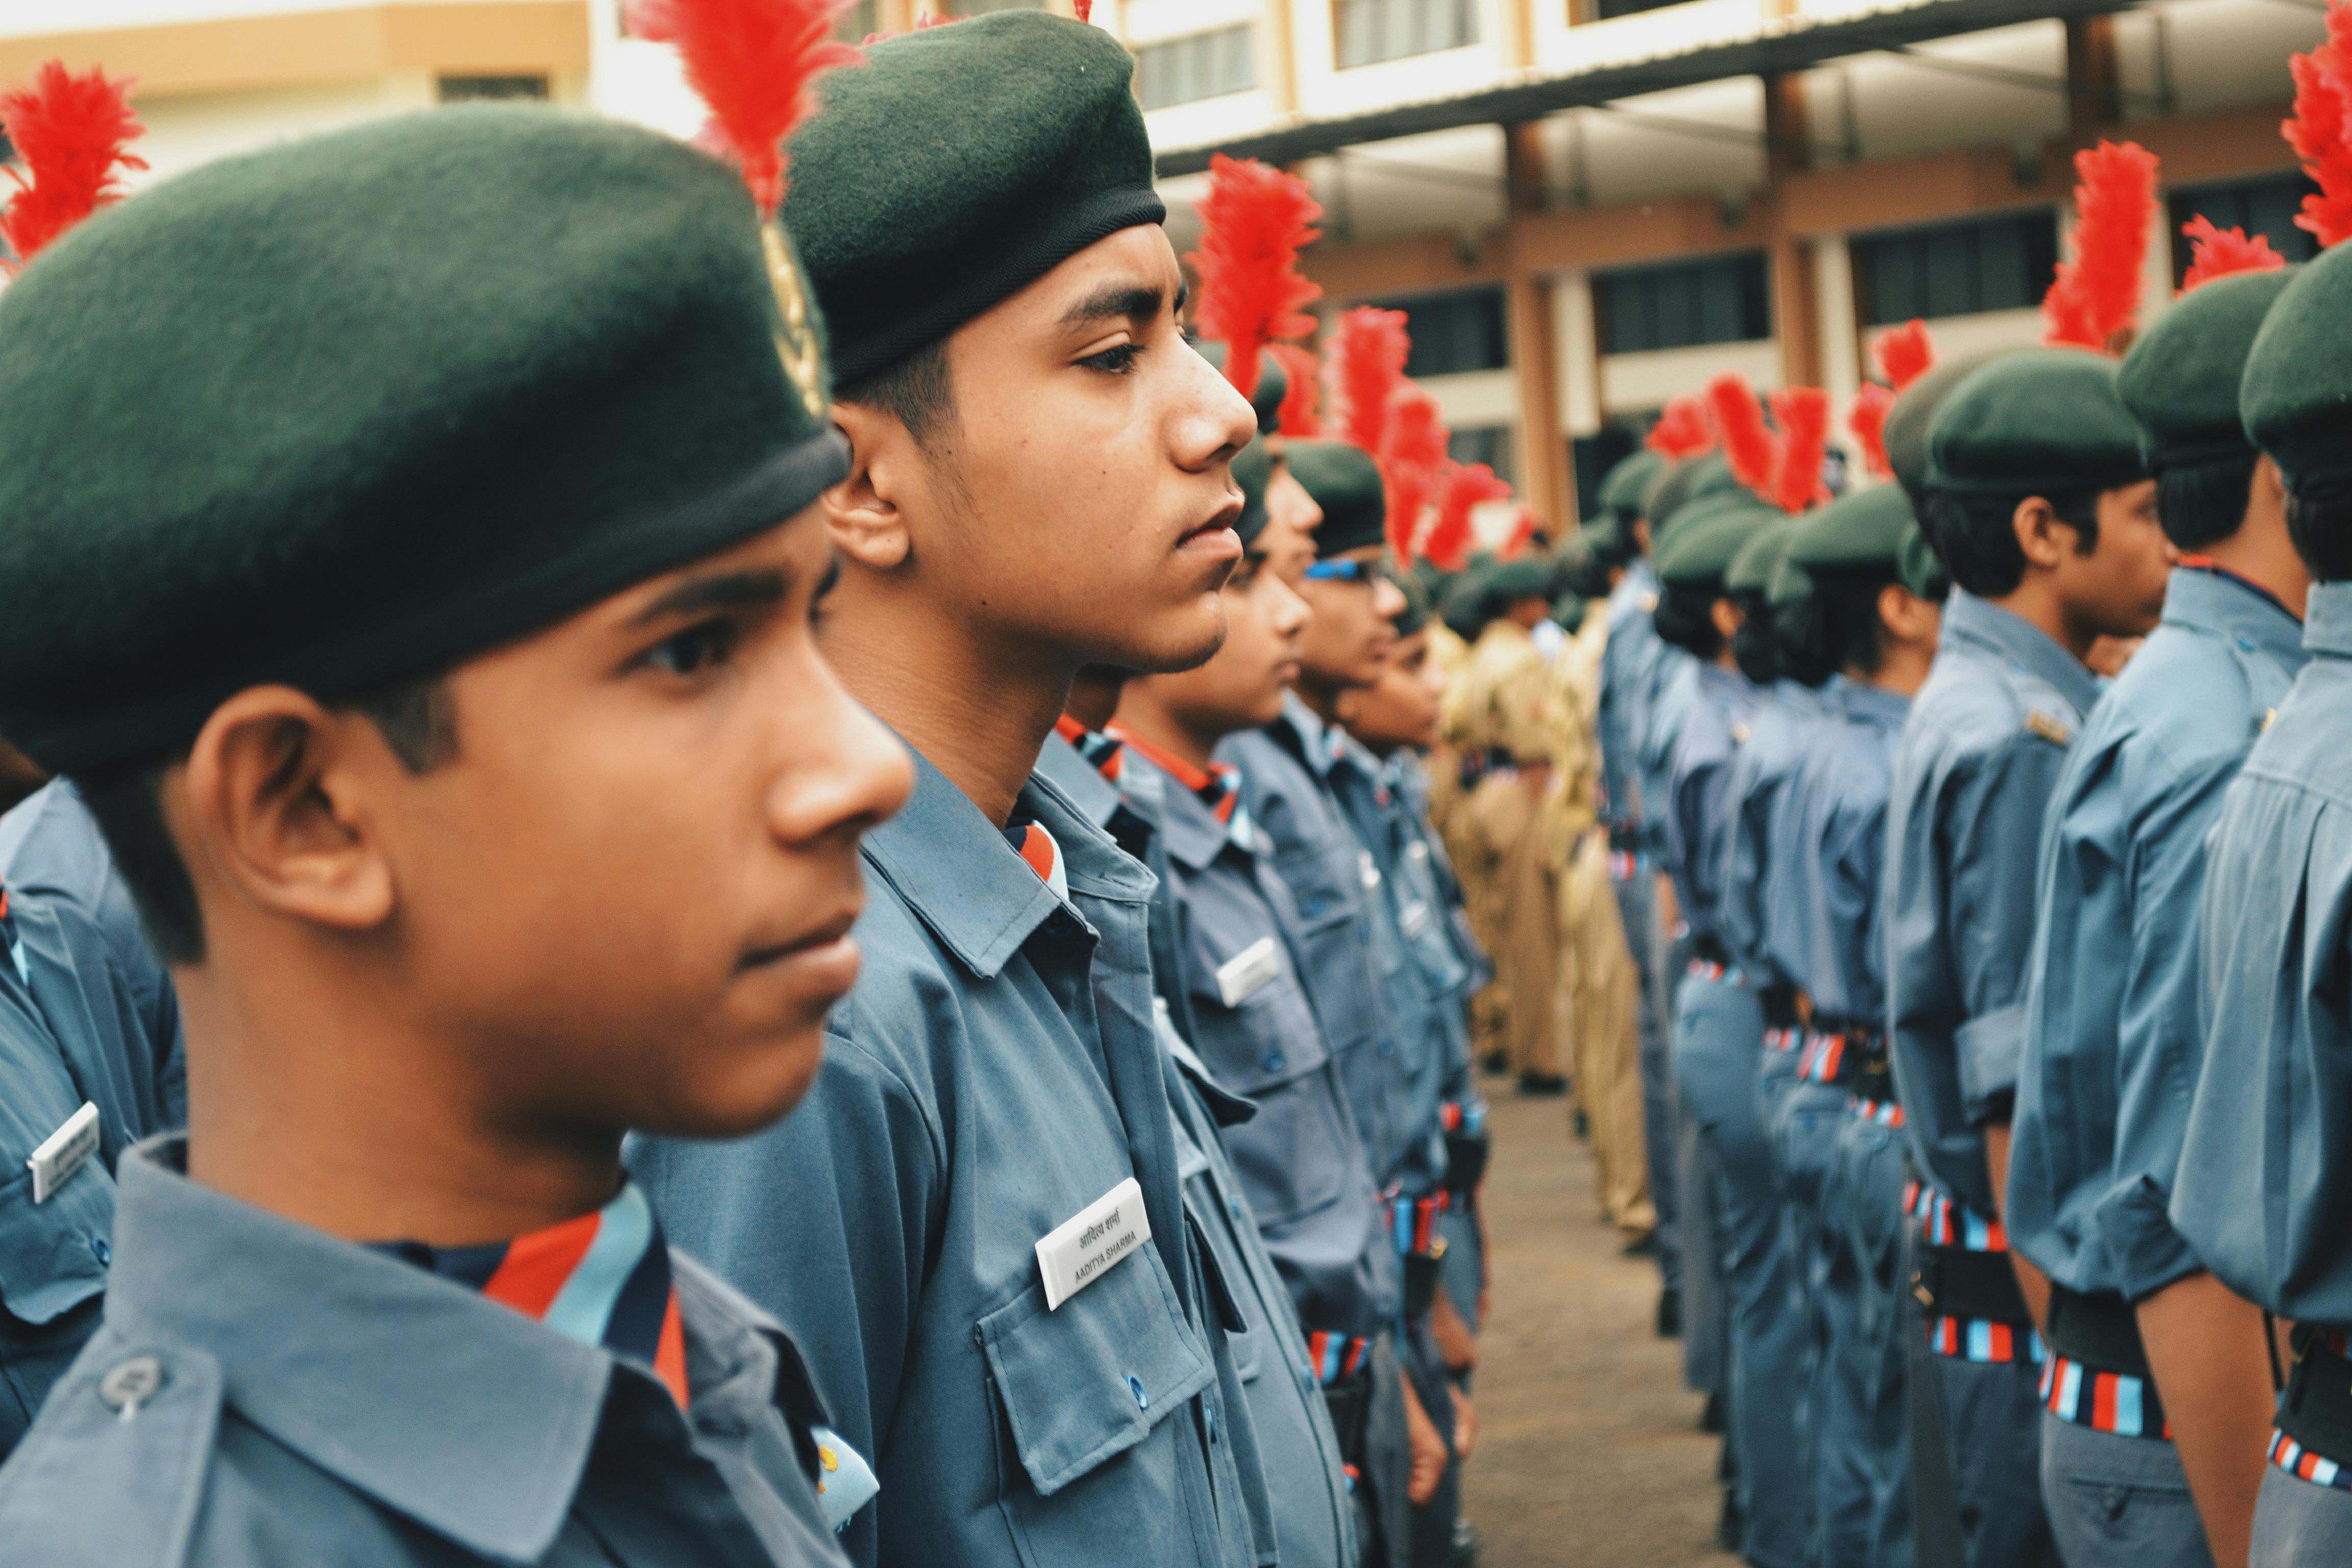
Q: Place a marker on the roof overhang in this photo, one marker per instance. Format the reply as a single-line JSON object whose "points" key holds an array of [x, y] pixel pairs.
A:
{"points": [[1772, 45]]}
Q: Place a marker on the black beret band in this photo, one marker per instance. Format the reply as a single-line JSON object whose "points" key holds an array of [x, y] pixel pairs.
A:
{"points": [[414, 638], [996, 279]]}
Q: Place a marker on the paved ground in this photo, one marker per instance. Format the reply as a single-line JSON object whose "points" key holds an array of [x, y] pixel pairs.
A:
{"points": [[1589, 1452]]}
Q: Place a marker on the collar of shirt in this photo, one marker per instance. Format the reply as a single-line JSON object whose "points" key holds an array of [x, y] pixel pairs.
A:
{"points": [[2202, 569], [971, 888], [1301, 732], [1101, 751], [2327, 620], [1195, 831], [2011, 637], [1873, 704], [463, 1414], [1640, 580]]}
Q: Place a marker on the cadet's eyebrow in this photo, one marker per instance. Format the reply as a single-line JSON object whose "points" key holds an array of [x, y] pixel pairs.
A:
{"points": [[723, 590], [1129, 301]]}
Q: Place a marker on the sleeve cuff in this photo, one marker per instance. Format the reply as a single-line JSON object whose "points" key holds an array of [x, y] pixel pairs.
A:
{"points": [[1988, 1049], [2148, 1254]]}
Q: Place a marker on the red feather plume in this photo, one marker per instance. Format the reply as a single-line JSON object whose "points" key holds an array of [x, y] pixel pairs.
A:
{"points": [[1461, 489], [2219, 252], [1681, 430], [1083, 9], [1297, 415], [755, 64], [1412, 449], [2097, 296], [1367, 359], [1749, 443], [1905, 354], [70, 131], [1803, 415], [1867, 420], [2320, 131], [1255, 221]]}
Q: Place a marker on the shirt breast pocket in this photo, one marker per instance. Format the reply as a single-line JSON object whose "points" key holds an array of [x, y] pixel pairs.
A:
{"points": [[1085, 1393]]}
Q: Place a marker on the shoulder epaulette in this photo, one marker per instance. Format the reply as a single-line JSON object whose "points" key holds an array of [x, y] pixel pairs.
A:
{"points": [[2048, 728]]}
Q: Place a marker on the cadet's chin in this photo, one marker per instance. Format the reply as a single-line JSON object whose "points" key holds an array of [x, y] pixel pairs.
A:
{"points": [[1185, 637], [762, 1091]]}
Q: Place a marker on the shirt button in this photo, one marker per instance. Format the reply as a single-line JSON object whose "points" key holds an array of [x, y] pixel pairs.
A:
{"points": [[130, 1385], [1273, 1061], [1135, 1386], [100, 1250], [1211, 1411], [1233, 1207]]}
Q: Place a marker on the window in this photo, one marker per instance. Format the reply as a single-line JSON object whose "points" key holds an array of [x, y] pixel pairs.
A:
{"points": [[1592, 457], [1682, 304], [1455, 331], [478, 89], [1205, 65], [1375, 30], [1488, 444], [2264, 206], [1956, 268], [1604, 9]]}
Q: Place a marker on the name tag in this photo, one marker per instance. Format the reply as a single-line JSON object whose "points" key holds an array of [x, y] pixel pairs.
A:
{"points": [[1241, 976], [64, 1152], [1413, 918], [1368, 870], [1081, 1250]]}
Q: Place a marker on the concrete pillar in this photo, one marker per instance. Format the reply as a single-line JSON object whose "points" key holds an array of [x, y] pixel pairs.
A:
{"points": [[2094, 101], [1545, 482], [1796, 304]]}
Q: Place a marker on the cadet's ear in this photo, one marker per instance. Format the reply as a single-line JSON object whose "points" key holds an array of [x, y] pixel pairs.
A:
{"points": [[865, 512], [1728, 619], [269, 811], [2037, 523], [1908, 618]]}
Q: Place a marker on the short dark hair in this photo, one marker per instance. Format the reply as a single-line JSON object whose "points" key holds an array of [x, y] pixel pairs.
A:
{"points": [[1975, 533], [2320, 525], [1853, 634], [1797, 636], [1685, 617], [1756, 647], [416, 718], [918, 391], [2204, 503]]}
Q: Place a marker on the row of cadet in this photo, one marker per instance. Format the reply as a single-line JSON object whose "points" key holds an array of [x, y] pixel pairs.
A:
{"points": [[485, 678], [1987, 877]]}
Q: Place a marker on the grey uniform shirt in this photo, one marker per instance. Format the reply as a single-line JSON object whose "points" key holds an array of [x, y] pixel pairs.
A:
{"points": [[994, 1072], [2263, 1194], [263, 1395], [2112, 1046], [1978, 759]]}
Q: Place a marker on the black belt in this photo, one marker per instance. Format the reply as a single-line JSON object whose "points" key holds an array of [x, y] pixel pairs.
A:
{"points": [[2318, 1409], [1465, 1161], [2097, 1330], [1953, 1281], [1350, 1401], [1422, 1271], [1864, 1067], [1780, 1006]]}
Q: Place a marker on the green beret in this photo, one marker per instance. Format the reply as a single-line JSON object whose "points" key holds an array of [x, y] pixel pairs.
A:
{"points": [[1752, 568], [1679, 484], [958, 166], [1860, 530], [1921, 569], [355, 407], [1252, 470], [1346, 483], [1601, 535], [2297, 398], [1464, 607], [1521, 577], [1568, 612], [1790, 583], [2180, 379], [2037, 422], [1626, 483], [1708, 535], [1273, 386], [1914, 414]]}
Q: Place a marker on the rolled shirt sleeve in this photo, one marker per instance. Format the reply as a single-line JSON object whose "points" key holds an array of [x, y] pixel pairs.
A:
{"points": [[1994, 828]]}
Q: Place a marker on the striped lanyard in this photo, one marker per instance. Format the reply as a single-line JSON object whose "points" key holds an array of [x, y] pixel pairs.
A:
{"points": [[603, 1279], [1219, 788], [1104, 753]]}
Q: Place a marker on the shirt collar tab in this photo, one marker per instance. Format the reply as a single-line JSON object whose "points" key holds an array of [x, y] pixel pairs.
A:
{"points": [[2021, 643]]}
